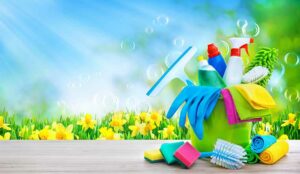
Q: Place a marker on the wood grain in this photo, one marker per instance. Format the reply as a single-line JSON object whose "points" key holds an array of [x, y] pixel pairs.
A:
{"points": [[113, 157]]}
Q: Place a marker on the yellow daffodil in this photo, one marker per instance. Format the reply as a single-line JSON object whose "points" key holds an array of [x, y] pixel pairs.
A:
{"points": [[290, 121], [168, 132], [144, 116], [265, 129], [117, 122], [156, 117], [23, 132], [53, 126], [108, 134], [150, 126], [283, 137], [62, 133], [46, 133], [5, 137], [34, 135], [87, 122], [4, 125], [138, 128]]}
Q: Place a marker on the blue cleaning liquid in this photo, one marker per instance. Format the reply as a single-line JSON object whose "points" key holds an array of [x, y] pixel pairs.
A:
{"points": [[215, 59], [218, 63]]}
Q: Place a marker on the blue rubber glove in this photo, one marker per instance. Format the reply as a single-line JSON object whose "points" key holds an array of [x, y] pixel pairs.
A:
{"points": [[181, 98], [199, 104], [188, 95], [205, 109]]}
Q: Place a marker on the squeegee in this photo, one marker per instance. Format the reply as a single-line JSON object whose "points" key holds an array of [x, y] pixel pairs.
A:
{"points": [[176, 70]]}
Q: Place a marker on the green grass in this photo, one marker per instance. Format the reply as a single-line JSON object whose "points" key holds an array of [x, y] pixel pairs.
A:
{"points": [[33, 125]]}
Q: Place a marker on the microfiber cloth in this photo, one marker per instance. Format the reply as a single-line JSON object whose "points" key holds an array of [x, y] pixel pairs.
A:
{"points": [[244, 109], [199, 101], [252, 157], [257, 96], [231, 112], [260, 143], [272, 154]]}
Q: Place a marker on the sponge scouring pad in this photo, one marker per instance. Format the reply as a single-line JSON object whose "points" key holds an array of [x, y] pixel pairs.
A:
{"points": [[168, 150], [187, 155], [153, 156]]}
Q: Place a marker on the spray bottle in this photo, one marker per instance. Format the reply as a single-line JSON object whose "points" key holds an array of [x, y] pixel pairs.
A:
{"points": [[215, 59], [234, 71], [208, 76]]}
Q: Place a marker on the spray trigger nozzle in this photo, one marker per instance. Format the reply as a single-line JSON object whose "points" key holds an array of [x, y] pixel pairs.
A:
{"points": [[245, 46]]}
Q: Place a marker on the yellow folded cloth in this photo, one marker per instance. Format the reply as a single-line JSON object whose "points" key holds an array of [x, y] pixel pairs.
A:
{"points": [[257, 96], [274, 152]]}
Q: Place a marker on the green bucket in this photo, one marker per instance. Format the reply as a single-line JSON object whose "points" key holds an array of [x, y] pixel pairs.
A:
{"points": [[217, 127]]}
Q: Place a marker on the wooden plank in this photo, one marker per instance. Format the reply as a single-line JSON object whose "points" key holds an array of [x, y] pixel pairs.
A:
{"points": [[113, 157]]}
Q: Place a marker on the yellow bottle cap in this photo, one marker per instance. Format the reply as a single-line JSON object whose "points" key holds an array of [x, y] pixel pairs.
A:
{"points": [[200, 58]]}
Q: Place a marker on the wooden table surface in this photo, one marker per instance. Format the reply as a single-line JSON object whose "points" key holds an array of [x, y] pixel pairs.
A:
{"points": [[113, 157]]}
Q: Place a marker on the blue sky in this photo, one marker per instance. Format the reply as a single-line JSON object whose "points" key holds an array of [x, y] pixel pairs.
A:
{"points": [[81, 56]]}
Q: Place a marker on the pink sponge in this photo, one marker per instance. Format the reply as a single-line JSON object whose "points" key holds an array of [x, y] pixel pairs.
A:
{"points": [[187, 155]]}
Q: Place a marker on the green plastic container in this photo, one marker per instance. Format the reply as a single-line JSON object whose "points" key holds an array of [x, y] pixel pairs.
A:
{"points": [[217, 127]]}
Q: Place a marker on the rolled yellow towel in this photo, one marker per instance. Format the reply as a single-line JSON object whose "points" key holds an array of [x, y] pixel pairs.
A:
{"points": [[272, 154]]}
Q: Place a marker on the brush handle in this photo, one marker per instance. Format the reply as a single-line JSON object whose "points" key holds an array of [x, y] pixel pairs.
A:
{"points": [[206, 154]]}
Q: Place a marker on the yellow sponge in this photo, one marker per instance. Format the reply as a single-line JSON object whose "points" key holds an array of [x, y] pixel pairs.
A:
{"points": [[153, 156]]}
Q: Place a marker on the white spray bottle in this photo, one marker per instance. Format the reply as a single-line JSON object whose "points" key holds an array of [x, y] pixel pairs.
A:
{"points": [[234, 71]]}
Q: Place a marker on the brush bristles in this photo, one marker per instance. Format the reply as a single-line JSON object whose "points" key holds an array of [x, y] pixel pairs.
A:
{"points": [[255, 75], [228, 155]]}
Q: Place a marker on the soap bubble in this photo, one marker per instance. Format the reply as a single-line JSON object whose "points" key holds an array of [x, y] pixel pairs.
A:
{"points": [[130, 86], [280, 68], [291, 94], [61, 103], [154, 71], [276, 78], [249, 29], [143, 106], [84, 78], [161, 20], [171, 57], [149, 30], [276, 89], [223, 47], [241, 22], [131, 104], [74, 85], [98, 74], [127, 45], [178, 42], [291, 59], [109, 101]]}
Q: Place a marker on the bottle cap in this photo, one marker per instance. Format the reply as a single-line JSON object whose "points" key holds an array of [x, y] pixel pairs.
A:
{"points": [[200, 58], [212, 50]]}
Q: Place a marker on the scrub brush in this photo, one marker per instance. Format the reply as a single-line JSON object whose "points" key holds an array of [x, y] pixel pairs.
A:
{"points": [[266, 57], [227, 155], [255, 75]]}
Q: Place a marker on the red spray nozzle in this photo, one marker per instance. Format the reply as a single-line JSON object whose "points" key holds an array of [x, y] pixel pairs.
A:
{"points": [[238, 44]]}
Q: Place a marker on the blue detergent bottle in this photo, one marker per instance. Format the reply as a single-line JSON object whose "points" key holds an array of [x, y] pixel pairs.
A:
{"points": [[215, 59]]}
